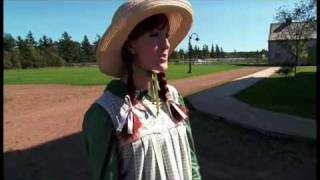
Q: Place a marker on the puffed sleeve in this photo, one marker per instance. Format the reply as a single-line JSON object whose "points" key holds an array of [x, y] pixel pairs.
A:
{"points": [[100, 143], [195, 165]]}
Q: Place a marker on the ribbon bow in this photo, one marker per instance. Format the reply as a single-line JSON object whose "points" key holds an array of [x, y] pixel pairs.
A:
{"points": [[175, 105], [126, 115]]}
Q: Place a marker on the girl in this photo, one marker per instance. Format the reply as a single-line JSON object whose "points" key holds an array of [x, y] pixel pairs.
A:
{"points": [[139, 128]]}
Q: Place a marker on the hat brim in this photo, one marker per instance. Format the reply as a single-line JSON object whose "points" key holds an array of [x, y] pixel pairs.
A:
{"points": [[108, 51]]}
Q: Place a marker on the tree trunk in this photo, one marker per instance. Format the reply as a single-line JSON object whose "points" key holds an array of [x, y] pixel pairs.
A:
{"points": [[297, 56]]}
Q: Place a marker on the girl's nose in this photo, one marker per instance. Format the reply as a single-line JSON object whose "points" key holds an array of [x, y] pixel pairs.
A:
{"points": [[165, 44]]}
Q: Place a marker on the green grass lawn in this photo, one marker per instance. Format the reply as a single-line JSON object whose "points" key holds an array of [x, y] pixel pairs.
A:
{"points": [[180, 71], [92, 75], [293, 94]]}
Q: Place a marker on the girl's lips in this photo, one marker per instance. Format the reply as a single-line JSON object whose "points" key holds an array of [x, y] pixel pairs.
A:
{"points": [[163, 55], [163, 58]]}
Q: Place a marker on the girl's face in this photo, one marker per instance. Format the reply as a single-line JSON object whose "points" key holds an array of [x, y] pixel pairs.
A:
{"points": [[151, 50]]}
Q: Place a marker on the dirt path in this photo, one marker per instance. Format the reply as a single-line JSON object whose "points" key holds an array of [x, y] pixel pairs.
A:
{"points": [[34, 114], [38, 117], [192, 85]]}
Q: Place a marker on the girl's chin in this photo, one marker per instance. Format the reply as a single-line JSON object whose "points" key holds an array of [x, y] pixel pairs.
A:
{"points": [[161, 68]]}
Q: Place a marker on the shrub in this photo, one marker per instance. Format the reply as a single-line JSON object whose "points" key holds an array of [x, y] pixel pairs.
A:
{"points": [[7, 64], [285, 70]]}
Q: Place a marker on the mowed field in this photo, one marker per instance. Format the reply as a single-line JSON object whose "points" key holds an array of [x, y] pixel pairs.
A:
{"points": [[92, 75]]}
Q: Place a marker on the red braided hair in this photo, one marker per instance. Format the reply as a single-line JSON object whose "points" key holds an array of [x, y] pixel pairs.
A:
{"points": [[127, 58], [163, 92]]}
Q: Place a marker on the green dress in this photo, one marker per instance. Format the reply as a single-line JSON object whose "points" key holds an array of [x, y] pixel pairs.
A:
{"points": [[102, 144]]}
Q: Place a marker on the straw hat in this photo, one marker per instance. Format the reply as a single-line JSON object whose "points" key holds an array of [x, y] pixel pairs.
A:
{"points": [[127, 16]]}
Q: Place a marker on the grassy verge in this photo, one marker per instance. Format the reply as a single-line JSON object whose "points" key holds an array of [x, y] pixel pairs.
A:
{"points": [[293, 95], [63, 75], [92, 76]]}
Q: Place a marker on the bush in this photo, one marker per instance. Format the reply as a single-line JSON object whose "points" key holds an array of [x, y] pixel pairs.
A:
{"points": [[50, 57], [36, 57], [16, 58], [285, 70], [32, 58], [7, 64], [312, 56], [55, 60], [12, 59]]}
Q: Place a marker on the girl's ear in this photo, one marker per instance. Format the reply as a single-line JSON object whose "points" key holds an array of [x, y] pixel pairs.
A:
{"points": [[130, 47], [132, 51]]}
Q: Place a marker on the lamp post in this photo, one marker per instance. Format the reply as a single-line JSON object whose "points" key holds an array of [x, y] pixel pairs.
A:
{"points": [[197, 39]]}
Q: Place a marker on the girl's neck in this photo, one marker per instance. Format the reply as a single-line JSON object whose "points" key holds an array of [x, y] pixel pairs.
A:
{"points": [[141, 78]]}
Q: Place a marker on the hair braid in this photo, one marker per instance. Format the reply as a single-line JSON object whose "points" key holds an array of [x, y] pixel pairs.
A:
{"points": [[163, 86], [163, 95], [127, 59]]}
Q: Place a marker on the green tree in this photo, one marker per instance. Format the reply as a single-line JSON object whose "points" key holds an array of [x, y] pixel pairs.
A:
{"points": [[196, 52], [8, 42], [21, 44], [50, 57], [205, 51], [217, 51], [43, 42], [182, 55], [48, 53], [69, 50], [265, 52], [222, 52], [297, 24], [76, 52], [65, 47], [25, 54], [181, 52], [29, 55], [95, 45], [35, 57], [212, 54], [30, 40], [86, 50], [173, 55], [11, 59], [7, 64], [190, 51], [50, 42], [96, 42]]}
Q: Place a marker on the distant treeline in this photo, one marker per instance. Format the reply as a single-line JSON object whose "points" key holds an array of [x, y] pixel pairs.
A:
{"points": [[28, 53], [216, 52]]}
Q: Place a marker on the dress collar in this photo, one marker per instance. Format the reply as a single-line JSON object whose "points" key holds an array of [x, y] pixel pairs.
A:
{"points": [[120, 89]]}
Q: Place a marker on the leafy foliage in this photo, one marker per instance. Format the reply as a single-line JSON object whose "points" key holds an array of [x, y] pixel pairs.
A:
{"points": [[28, 53], [297, 25]]}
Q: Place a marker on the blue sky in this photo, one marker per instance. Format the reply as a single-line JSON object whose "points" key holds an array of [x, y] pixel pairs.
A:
{"points": [[241, 25]]}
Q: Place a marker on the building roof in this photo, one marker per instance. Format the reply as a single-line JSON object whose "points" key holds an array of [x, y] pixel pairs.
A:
{"points": [[280, 31]]}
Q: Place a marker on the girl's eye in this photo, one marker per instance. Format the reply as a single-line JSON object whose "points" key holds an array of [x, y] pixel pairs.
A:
{"points": [[154, 34]]}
